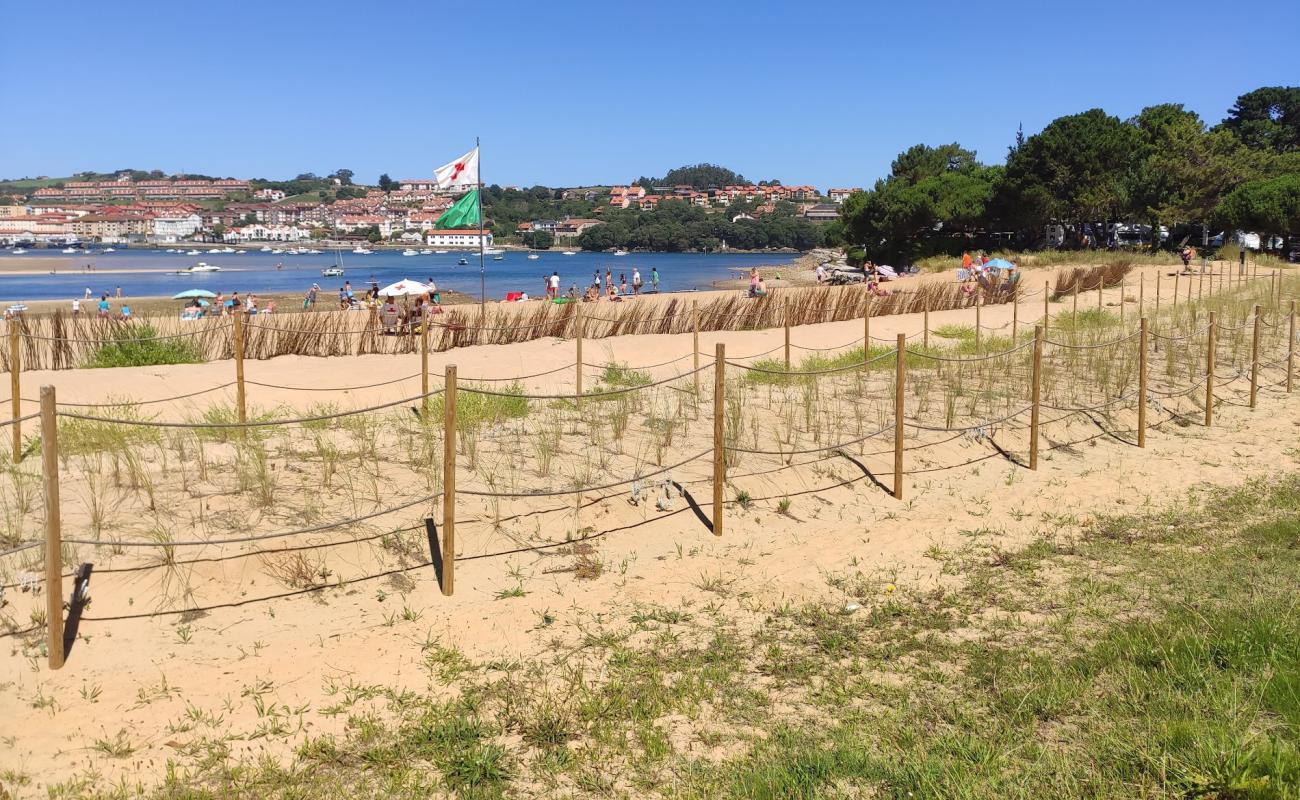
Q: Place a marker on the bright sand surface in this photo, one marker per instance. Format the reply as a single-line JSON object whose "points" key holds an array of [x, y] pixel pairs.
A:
{"points": [[302, 641]]}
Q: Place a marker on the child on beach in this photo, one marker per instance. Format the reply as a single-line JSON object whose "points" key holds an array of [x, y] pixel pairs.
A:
{"points": [[654, 279], [636, 280], [622, 283]]}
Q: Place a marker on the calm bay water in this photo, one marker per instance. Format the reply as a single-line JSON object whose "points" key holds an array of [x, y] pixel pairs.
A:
{"points": [[254, 271]]}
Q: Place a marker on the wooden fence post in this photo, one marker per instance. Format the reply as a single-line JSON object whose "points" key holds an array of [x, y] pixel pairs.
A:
{"points": [[1142, 295], [900, 378], [1200, 286], [1122, 282], [1254, 360], [978, 325], [1015, 312], [866, 330], [925, 327], [719, 434], [449, 483], [1047, 311], [1101, 284], [1036, 400], [424, 363], [1157, 296], [786, 314], [1209, 373], [1290, 348], [15, 387], [695, 314], [1142, 382], [577, 320], [1075, 309], [239, 368], [53, 536], [1189, 290]]}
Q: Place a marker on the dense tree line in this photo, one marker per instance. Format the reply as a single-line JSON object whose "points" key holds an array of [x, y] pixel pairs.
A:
{"points": [[1088, 172], [679, 226]]}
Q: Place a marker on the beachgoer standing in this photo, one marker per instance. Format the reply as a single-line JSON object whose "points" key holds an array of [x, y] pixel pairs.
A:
{"points": [[76, 306], [119, 291], [753, 282], [88, 293], [636, 280], [821, 273], [965, 260], [554, 285], [654, 279], [609, 279]]}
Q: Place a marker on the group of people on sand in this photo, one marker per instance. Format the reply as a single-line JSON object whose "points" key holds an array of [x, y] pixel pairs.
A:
{"points": [[407, 316], [613, 291], [349, 301], [103, 309]]}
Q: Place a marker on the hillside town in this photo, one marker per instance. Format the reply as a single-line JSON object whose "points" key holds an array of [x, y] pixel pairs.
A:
{"points": [[230, 211]]}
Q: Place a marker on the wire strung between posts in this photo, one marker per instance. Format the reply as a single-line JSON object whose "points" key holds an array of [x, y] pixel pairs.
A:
{"points": [[145, 402], [933, 357], [6, 422], [797, 373], [261, 536], [20, 547], [836, 446], [660, 318], [1122, 398], [1180, 392], [331, 388], [600, 395], [148, 423], [1196, 332], [598, 488], [639, 366], [1098, 346], [984, 424], [111, 340], [851, 343], [519, 377]]}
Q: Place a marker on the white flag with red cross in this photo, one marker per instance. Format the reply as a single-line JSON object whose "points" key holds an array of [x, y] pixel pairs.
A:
{"points": [[459, 174]]}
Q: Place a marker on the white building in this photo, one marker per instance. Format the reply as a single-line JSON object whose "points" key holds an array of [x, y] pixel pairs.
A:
{"points": [[258, 232], [269, 194], [465, 238], [173, 229]]}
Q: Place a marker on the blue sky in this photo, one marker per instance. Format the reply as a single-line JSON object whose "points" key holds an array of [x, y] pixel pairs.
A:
{"points": [[569, 93]]}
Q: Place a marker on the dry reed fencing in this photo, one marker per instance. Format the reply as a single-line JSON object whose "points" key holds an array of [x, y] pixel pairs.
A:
{"points": [[462, 460], [60, 341]]}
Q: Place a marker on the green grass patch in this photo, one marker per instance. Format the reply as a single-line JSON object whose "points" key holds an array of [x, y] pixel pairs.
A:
{"points": [[135, 346], [475, 410]]}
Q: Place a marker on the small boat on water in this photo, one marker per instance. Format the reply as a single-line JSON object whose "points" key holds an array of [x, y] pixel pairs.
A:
{"points": [[265, 248], [569, 253], [314, 252], [18, 251], [361, 251], [216, 250], [498, 258], [533, 256], [198, 268], [440, 252], [277, 251], [69, 250], [620, 252], [331, 272], [110, 250], [192, 253], [409, 252], [426, 252], [463, 261]]}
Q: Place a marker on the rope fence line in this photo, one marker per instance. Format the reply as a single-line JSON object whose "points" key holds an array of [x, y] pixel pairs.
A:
{"points": [[327, 388], [966, 428], [594, 395], [798, 373], [149, 423], [990, 356], [584, 489], [800, 452], [123, 327]]}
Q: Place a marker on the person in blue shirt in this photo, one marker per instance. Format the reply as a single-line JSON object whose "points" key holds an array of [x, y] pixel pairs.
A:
{"points": [[103, 306]]}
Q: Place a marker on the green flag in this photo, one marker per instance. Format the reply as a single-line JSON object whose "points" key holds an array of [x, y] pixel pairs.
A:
{"points": [[463, 213]]}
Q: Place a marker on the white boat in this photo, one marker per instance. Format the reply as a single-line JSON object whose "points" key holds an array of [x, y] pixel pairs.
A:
{"points": [[426, 252], [314, 252], [493, 251], [200, 267], [216, 251], [277, 251], [110, 250], [69, 250], [498, 258], [620, 252], [441, 252], [18, 251], [266, 248], [409, 252], [192, 253], [463, 262], [569, 253], [533, 256], [331, 272], [361, 251]]}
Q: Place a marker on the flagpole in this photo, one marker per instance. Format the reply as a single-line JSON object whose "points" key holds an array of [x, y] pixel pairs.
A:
{"points": [[482, 275]]}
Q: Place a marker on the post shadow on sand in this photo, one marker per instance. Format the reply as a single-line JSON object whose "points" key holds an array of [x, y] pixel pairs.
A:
{"points": [[435, 548], [866, 472], [690, 501], [80, 596]]}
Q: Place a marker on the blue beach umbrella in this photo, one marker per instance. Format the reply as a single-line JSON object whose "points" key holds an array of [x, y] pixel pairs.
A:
{"points": [[189, 293], [1000, 263]]}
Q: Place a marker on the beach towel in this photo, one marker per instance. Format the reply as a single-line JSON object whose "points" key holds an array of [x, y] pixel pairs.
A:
{"points": [[514, 297], [886, 272]]}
